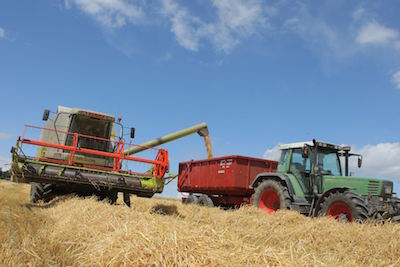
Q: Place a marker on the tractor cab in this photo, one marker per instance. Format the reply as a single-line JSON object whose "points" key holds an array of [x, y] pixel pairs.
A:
{"points": [[317, 167]]}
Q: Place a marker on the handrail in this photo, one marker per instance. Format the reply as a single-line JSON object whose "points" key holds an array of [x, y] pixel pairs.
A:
{"points": [[161, 163]]}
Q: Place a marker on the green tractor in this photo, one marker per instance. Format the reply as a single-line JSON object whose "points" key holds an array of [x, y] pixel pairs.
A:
{"points": [[309, 179]]}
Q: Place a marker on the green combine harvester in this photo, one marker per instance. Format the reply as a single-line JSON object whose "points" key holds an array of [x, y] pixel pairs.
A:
{"points": [[309, 179], [83, 152]]}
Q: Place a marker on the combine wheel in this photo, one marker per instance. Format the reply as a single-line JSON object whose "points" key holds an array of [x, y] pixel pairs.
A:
{"points": [[270, 196], [41, 191], [346, 206], [205, 200], [112, 196], [191, 199]]}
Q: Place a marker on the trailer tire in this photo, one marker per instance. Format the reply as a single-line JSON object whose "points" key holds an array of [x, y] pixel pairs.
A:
{"points": [[206, 201], [41, 191], [191, 199], [345, 206], [270, 196]]}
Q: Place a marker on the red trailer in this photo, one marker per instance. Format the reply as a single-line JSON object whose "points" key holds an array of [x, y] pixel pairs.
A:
{"points": [[223, 181]]}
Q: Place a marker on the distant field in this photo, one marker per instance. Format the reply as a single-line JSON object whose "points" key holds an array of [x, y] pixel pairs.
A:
{"points": [[76, 231]]}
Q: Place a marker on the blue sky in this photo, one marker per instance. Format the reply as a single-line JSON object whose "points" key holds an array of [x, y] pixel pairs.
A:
{"points": [[258, 72]]}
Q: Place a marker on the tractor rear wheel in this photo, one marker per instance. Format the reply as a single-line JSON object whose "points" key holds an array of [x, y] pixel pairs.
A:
{"points": [[40, 191], [205, 200], [345, 206], [191, 199], [270, 196]]}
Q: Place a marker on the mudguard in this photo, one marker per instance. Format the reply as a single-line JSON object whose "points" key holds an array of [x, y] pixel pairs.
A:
{"points": [[275, 176]]}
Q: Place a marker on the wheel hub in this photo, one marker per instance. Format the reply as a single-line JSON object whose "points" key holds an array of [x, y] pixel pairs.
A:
{"points": [[269, 201], [340, 211]]}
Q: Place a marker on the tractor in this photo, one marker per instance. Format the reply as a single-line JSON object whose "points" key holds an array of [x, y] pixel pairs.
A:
{"points": [[309, 179]]}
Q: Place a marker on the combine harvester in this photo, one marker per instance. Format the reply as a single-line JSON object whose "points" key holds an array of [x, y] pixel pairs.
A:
{"points": [[79, 152], [308, 178]]}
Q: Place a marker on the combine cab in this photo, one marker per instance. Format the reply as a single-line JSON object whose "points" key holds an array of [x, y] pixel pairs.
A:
{"points": [[80, 152]]}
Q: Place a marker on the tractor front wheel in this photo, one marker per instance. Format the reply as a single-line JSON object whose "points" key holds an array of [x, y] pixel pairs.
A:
{"points": [[344, 206], [271, 196]]}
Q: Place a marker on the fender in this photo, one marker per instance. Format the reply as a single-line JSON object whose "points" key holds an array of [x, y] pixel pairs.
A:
{"points": [[325, 194], [280, 177]]}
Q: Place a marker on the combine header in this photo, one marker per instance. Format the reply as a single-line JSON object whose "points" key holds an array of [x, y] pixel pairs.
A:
{"points": [[79, 152]]}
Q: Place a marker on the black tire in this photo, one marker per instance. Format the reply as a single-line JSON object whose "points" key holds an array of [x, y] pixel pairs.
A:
{"points": [[205, 200], [191, 199], [270, 196], [40, 191], [345, 206]]}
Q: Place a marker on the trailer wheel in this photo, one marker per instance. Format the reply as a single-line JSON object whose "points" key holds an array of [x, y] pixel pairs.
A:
{"points": [[345, 206], [270, 196], [41, 191], [205, 200], [191, 199]]}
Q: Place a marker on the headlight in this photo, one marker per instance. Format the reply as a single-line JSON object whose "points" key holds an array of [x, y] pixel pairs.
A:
{"points": [[387, 188]]}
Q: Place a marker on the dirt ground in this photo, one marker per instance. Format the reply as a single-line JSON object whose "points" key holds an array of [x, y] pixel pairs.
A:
{"points": [[75, 231]]}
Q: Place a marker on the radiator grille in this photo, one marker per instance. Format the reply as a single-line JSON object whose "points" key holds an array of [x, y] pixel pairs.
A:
{"points": [[373, 187]]}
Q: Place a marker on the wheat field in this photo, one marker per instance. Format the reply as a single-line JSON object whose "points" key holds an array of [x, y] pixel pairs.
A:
{"points": [[72, 231]]}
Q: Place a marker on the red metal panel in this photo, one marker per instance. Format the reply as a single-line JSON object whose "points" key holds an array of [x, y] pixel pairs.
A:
{"points": [[229, 175]]}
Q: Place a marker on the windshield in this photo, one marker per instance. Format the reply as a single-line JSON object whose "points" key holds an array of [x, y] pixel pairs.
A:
{"points": [[90, 126], [328, 163], [283, 160]]}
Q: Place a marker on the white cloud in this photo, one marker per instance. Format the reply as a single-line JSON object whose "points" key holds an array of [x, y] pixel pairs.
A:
{"points": [[237, 19], [2, 32], [5, 162], [110, 13], [185, 26], [4, 136], [374, 33], [380, 160], [323, 37], [358, 13], [396, 79], [273, 153]]}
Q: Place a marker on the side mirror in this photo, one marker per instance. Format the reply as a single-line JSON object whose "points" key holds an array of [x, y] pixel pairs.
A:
{"points": [[46, 114], [132, 132], [305, 153], [359, 162]]}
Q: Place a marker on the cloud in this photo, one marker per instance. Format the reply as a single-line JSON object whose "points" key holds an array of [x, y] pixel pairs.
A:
{"points": [[110, 13], [396, 79], [2, 32], [273, 153], [186, 27], [5, 162], [236, 19], [380, 160], [4, 136], [323, 37], [375, 33]]}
